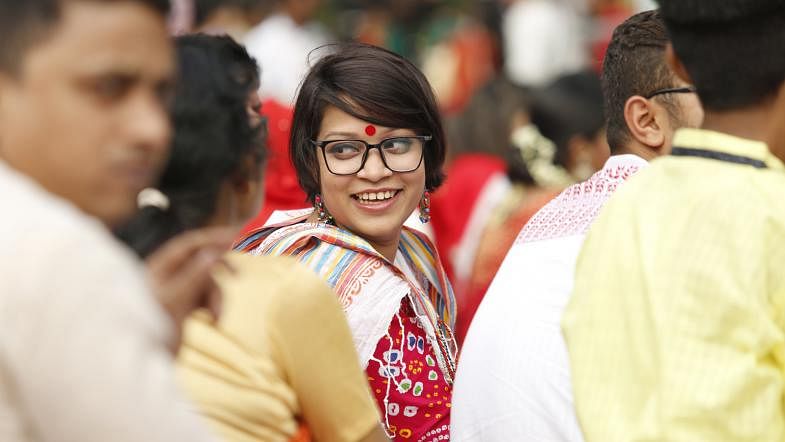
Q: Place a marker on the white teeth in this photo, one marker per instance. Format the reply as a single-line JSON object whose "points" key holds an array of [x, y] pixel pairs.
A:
{"points": [[377, 196]]}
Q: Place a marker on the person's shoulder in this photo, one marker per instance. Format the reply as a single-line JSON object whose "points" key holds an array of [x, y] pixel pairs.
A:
{"points": [[43, 225], [277, 278], [54, 255]]}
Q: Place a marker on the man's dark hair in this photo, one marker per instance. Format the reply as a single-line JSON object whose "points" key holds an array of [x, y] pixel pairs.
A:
{"points": [[634, 64], [374, 85], [732, 49], [213, 139], [24, 23]]}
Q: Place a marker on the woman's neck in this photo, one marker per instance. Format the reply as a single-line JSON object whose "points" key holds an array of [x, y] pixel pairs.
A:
{"points": [[388, 249]]}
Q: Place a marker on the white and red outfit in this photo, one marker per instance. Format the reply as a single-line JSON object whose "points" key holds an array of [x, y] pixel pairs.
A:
{"points": [[513, 379]]}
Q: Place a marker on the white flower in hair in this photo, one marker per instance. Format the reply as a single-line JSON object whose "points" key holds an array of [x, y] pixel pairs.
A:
{"points": [[151, 197]]}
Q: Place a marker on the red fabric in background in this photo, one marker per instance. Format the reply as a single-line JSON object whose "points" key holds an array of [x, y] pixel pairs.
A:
{"points": [[281, 189], [452, 204]]}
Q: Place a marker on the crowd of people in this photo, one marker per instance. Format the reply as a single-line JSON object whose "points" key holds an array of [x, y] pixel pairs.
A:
{"points": [[246, 220]]}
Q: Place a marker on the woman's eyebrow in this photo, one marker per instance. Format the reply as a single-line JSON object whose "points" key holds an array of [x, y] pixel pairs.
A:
{"points": [[340, 134]]}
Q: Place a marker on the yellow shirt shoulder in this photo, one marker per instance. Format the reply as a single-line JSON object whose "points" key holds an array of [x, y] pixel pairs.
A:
{"points": [[280, 354]]}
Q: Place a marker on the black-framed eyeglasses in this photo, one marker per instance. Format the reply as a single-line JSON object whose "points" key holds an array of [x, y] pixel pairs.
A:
{"points": [[347, 157], [672, 90]]}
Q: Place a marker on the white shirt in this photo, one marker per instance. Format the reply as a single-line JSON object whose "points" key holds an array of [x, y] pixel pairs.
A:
{"points": [[283, 50], [513, 379], [83, 346]]}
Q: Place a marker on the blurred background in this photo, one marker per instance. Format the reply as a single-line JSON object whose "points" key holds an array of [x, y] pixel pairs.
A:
{"points": [[517, 82]]}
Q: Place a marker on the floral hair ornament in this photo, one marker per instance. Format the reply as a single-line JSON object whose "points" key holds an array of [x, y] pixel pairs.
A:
{"points": [[151, 197], [538, 152]]}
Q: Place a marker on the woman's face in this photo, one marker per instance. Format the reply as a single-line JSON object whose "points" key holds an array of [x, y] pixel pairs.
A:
{"points": [[374, 202]]}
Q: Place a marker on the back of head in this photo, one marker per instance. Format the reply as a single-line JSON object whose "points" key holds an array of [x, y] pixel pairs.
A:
{"points": [[24, 23], [213, 139], [731, 49], [374, 85], [634, 64], [486, 123], [569, 106]]}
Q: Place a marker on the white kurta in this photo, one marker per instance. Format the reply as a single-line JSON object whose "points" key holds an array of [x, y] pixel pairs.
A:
{"points": [[83, 346], [513, 379]]}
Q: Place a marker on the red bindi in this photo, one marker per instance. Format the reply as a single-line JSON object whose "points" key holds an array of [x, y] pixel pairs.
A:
{"points": [[370, 130]]}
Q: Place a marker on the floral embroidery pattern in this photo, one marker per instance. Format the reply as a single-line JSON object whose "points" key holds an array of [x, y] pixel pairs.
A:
{"points": [[573, 211], [404, 375]]}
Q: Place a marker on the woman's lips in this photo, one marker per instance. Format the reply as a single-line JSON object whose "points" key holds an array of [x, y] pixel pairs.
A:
{"points": [[376, 201]]}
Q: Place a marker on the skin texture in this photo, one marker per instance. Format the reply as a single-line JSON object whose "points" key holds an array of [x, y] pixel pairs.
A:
{"points": [[380, 227], [86, 115]]}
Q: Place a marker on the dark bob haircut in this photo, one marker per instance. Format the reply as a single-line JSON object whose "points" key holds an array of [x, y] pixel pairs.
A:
{"points": [[374, 85]]}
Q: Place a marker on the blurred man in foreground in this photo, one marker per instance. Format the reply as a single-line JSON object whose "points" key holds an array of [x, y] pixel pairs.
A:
{"points": [[85, 347]]}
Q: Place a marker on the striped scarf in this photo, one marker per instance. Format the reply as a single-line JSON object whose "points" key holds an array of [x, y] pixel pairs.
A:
{"points": [[369, 287]]}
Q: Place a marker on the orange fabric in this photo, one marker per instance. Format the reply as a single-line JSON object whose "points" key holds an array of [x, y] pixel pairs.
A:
{"points": [[303, 435]]}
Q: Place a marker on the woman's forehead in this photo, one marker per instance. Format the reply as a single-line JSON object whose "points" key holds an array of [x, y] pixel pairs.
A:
{"points": [[336, 122]]}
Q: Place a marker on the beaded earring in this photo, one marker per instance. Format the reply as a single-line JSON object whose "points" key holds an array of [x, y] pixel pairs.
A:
{"points": [[321, 211], [425, 207]]}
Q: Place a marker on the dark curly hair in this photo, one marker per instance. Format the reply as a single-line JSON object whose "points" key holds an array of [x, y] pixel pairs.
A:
{"points": [[372, 84], [213, 139]]}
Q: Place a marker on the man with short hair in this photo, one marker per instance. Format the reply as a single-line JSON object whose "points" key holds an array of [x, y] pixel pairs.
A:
{"points": [[85, 347], [675, 329], [513, 380]]}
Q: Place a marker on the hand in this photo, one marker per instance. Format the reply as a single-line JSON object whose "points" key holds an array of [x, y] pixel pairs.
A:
{"points": [[180, 273]]}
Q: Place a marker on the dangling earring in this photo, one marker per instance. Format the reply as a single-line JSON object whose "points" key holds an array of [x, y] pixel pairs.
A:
{"points": [[321, 211], [425, 207]]}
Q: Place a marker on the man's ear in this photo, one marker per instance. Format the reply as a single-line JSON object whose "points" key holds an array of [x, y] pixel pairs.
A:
{"points": [[674, 62], [644, 122]]}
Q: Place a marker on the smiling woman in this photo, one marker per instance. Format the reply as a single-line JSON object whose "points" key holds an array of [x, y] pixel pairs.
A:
{"points": [[368, 146]]}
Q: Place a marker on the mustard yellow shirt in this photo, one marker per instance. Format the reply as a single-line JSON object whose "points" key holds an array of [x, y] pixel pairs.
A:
{"points": [[281, 353], [675, 329]]}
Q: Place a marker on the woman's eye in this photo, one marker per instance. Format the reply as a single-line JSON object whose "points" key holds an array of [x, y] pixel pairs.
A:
{"points": [[343, 149], [398, 145]]}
